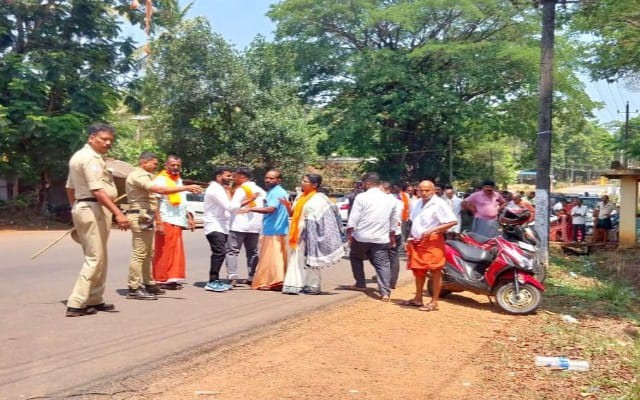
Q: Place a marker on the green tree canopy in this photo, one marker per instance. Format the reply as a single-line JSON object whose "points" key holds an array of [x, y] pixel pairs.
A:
{"points": [[416, 82], [213, 106]]}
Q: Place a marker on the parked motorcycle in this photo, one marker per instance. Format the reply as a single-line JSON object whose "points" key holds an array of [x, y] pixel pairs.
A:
{"points": [[501, 271]]}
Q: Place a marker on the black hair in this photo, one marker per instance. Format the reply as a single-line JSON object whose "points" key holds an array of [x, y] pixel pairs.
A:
{"points": [[147, 155], [220, 170], [314, 179], [488, 183], [93, 129], [371, 177], [246, 172]]}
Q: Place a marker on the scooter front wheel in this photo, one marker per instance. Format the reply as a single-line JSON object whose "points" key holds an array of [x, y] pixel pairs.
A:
{"points": [[525, 301]]}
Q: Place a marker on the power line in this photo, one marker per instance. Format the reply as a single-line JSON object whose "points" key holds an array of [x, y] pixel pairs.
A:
{"points": [[613, 98]]}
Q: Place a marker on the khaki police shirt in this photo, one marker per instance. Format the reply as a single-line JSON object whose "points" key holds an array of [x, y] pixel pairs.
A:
{"points": [[88, 171], [138, 185]]}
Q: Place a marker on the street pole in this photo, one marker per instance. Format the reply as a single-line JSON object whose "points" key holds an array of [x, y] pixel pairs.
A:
{"points": [[625, 137], [543, 142]]}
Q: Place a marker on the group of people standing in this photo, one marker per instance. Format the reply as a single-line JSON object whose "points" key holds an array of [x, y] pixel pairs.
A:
{"points": [[287, 244], [380, 217]]}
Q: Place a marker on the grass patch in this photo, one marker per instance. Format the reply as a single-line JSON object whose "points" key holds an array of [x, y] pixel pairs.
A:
{"points": [[594, 289], [601, 292]]}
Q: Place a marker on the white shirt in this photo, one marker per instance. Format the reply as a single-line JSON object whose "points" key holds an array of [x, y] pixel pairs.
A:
{"points": [[436, 212], [455, 203], [217, 217], [174, 215], [578, 214], [605, 209], [373, 216], [247, 222], [398, 213]]}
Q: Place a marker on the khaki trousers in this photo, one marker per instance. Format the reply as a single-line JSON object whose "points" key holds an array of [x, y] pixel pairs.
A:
{"points": [[92, 223], [141, 254]]}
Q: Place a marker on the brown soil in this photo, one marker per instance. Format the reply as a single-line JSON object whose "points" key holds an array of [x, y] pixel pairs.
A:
{"points": [[366, 349]]}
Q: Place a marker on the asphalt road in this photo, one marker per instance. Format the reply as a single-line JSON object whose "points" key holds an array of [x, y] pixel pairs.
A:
{"points": [[44, 353]]}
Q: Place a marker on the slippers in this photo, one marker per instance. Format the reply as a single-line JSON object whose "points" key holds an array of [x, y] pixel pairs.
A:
{"points": [[429, 307], [411, 303]]}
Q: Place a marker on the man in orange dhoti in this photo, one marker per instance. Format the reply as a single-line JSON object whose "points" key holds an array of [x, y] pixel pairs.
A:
{"points": [[169, 267], [431, 217]]}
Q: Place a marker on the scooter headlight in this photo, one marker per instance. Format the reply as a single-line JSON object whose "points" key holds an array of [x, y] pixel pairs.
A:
{"points": [[526, 263]]}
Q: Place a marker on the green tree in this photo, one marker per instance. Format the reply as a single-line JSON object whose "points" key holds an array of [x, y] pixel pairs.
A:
{"points": [[613, 42], [211, 105], [402, 80], [398, 80], [60, 66]]}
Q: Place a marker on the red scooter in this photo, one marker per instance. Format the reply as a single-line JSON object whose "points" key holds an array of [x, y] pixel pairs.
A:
{"points": [[502, 271]]}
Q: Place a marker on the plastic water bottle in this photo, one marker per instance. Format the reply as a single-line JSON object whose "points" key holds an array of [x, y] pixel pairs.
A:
{"points": [[562, 363]]}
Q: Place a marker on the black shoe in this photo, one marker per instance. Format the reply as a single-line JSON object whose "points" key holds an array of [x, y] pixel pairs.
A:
{"points": [[154, 289], [102, 307], [171, 286], [79, 312], [141, 294]]}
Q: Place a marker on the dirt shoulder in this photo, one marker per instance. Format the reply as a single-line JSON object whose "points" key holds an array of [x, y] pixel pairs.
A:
{"points": [[364, 349]]}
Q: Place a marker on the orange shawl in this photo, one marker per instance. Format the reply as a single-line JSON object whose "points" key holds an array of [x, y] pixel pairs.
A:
{"points": [[294, 232], [248, 193], [173, 198], [405, 206]]}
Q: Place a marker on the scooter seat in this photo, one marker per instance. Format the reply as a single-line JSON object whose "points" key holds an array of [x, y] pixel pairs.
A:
{"points": [[478, 238], [471, 253]]}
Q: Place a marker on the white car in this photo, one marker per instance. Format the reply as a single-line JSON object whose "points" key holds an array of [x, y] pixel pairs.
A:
{"points": [[195, 205], [343, 206]]}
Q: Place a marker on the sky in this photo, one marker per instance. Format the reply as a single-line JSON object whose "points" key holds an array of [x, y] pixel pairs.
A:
{"points": [[239, 21]]}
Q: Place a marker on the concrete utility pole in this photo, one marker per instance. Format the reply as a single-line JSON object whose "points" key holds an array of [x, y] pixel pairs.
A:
{"points": [[625, 137], [543, 142]]}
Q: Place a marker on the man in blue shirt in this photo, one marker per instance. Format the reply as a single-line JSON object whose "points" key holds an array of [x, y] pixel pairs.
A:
{"points": [[272, 262]]}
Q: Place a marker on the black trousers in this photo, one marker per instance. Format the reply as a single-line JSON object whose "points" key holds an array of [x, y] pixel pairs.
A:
{"points": [[218, 245]]}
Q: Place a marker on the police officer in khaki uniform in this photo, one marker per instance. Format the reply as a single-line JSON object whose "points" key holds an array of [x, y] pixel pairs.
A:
{"points": [[142, 207], [91, 191]]}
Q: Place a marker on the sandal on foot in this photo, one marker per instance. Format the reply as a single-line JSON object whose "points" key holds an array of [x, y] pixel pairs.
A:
{"points": [[411, 303], [429, 307]]}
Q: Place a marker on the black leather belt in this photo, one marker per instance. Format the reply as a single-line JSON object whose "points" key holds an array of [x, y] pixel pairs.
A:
{"points": [[138, 211], [88, 199]]}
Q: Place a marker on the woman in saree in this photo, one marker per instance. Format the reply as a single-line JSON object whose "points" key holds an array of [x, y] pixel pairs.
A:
{"points": [[315, 238]]}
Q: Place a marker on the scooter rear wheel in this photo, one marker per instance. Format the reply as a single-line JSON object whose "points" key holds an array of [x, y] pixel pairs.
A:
{"points": [[526, 301]]}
